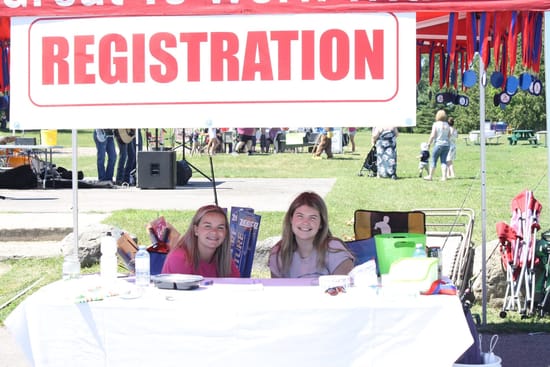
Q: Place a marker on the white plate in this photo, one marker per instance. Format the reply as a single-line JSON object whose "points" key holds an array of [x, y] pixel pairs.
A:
{"points": [[177, 281]]}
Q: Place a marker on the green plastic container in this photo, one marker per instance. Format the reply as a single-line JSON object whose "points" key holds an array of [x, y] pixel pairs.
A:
{"points": [[394, 246]]}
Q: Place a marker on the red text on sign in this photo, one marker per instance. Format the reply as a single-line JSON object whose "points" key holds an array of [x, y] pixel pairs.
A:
{"points": [[113, 58]]}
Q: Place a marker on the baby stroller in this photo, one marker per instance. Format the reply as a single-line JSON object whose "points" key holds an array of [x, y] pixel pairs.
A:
{"points": [[370, 164]]}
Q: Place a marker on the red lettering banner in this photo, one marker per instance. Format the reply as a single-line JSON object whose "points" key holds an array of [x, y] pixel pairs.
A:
{"points": [[231, 70]]}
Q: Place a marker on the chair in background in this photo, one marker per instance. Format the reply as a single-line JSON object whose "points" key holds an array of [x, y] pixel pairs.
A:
{"points": [[368, 223]]}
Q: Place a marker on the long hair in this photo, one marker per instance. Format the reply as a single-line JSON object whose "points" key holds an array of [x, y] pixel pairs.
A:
{"points": [[287, 245], [189, 242]]}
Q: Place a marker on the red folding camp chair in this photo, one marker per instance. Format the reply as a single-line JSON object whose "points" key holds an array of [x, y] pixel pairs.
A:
{"points": [[517, 246]]}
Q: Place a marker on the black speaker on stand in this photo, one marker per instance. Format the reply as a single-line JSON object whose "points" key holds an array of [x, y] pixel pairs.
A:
{"points": [[185, 169], [156, 170]]}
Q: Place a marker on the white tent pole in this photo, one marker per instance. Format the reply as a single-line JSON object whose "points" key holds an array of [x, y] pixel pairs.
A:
{"points": [[546, 83], [483, 193], [74, 143]]}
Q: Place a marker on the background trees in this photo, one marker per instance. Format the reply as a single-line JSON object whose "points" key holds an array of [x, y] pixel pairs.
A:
{"points": [[524, 111]]}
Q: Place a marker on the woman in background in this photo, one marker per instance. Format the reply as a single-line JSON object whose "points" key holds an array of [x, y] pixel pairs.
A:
{"points": [[452, 148], [351, 132], [440, 136], [385, 141]]}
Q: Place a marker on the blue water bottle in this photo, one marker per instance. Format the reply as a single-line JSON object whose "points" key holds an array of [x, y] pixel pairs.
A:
{"points": [[142, 265]]}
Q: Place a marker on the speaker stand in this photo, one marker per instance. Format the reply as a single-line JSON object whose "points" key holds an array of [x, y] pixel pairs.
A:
{"points": [[211, 179]]}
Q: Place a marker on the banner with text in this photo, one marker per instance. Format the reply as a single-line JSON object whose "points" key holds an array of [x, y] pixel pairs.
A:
{"points": [[292, 70]]}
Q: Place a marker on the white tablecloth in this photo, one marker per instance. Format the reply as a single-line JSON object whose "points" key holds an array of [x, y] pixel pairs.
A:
{"points": [[253, 324]]}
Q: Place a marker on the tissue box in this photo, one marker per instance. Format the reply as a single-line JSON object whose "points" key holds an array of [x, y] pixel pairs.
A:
{"points": [[415, 273]]}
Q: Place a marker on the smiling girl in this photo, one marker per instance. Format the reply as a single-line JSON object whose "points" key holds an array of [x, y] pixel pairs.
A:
{"points": [[204, 249], [307, 248]]}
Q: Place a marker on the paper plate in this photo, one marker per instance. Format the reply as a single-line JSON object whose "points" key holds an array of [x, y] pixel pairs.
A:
{"points": [[177, 281]]}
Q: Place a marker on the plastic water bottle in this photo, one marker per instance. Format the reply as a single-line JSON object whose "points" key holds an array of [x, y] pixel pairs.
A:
{"points": [[419, 251], [71, 267], [108, 263], [142, 262], [435, 251]]}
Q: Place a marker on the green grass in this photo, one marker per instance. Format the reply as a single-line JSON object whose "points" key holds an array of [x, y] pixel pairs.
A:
{"points": [[509, 170]]}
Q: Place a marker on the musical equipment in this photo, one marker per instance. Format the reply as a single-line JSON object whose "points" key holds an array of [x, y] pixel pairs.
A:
{"points": [[125, 136], [156, 170]]}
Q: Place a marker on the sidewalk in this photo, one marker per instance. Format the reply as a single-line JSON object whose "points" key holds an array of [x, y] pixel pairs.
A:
{"points": [[262, 194]]}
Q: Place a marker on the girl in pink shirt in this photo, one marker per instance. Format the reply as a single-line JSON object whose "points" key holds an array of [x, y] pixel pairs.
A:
{"points": [[204, 249]]}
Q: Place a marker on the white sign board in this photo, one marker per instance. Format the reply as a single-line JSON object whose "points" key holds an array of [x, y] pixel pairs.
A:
{"points": [[292, 70]]}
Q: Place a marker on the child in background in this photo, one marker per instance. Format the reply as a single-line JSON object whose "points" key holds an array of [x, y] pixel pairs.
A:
{"points": [[195, 142], [424, 157]]}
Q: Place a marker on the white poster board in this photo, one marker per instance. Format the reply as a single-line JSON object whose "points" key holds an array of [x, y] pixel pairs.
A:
{"points": [[254, 70]]}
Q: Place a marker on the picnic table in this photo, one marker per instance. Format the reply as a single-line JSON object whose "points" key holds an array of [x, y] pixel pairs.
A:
{"points": [[491, 137], [527, 135]]}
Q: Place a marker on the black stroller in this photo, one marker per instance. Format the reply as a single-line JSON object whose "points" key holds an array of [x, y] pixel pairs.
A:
{"points": [[370, 164]]}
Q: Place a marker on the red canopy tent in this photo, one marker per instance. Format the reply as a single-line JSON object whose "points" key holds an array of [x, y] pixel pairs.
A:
{"points": [[432, 16]]}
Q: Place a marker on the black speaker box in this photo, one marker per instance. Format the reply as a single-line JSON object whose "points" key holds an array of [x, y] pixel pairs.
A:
{"points": [[156, 170], [183, 173]]}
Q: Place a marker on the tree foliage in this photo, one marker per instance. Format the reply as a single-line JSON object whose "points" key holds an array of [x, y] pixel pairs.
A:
{"points": [[525, 111]]}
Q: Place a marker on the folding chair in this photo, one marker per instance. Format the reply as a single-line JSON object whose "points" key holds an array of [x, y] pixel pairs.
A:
{"points": [[518, 245], [368, 223]]}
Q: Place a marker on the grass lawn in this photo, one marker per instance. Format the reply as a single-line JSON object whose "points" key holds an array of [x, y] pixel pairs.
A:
{"points": [[509, 170]]}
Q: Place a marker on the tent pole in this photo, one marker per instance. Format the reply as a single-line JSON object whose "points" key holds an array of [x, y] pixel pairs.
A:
{"points": [[547, 80], [483, 194], [74, 143]]}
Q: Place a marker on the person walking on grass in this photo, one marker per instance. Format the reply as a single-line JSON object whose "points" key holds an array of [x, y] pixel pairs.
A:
{"points": [[452, 148], [440, 136]]}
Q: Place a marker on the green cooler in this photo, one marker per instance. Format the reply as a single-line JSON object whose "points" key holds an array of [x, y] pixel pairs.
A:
{"points": [[394, 246]]}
